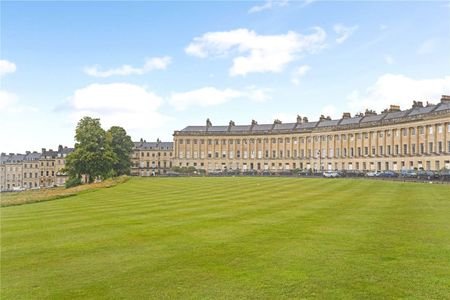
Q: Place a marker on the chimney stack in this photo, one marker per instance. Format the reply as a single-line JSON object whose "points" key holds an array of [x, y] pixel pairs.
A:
{"points": [[305, 120], [43, 150], [299, 119], [394, 108], [445, 99], [346, 115], [370, 112]]}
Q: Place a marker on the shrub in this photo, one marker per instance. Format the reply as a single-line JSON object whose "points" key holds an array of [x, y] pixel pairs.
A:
{"points": [[73, 181]]}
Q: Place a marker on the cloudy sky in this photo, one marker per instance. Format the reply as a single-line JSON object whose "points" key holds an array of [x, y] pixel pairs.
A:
{"points": [[155, 67]]}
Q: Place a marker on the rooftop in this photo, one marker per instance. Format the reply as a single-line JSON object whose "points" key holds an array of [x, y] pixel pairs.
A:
{"points": [[369, 118]]}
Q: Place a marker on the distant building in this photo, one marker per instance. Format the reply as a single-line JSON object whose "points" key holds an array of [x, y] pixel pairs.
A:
{"points": [[33, 170], [151, 158], [395, 139]]}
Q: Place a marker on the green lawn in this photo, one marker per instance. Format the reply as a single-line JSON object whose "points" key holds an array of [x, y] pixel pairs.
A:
{"points": [[213, 238]]}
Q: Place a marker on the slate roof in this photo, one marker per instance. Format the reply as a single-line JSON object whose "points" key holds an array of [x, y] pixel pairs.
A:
{"points": [[361, 121], [144, 145]]}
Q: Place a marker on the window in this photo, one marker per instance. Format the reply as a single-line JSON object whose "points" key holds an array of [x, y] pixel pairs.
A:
{"points": [[422, 148], [430, 147], [439, 147], [413, 131], [405, 148], [421, 130], [440, 129], [430, 130], [413, 148]]}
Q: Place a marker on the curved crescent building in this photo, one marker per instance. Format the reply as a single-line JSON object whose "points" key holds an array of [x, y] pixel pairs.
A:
{"points": [[395, 139]]}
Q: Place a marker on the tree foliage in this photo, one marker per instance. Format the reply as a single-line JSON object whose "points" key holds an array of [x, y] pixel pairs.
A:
{"points": [[122, 146], [99, 153]]}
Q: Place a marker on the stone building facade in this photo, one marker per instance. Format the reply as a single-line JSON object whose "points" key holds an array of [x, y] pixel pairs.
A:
{"points": [[395, 139], [33, 170], [151, 158]]}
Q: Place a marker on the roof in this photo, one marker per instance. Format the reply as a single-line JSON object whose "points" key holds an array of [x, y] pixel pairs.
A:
{"points": [[360, 121], [144, 145]]}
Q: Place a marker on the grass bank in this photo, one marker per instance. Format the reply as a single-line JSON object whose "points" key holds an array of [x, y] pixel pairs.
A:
{"points": [[31, 196]]}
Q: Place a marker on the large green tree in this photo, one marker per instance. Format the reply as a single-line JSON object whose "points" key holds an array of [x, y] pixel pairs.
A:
{"points": [[122, 146], [93, 155]]}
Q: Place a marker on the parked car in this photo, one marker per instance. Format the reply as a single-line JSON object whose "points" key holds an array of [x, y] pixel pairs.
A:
{"points": [[266, 173], [232, 172], [388, 174], [444, 175], [172, 173], [249, 172], [331, 174], [216, 173], [285, 173], [409, 173], [373, 174], [351, 173], [422, 174]]}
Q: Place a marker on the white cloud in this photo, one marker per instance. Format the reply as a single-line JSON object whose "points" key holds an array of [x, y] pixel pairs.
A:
{"points": [[429, 46], [7, 99], [399, 90], [257, 53], [299, 72], [6, 67], [257, 94], [155, 63], [211, 96], [389, 59], [203, 97], [127, 105], [269, 4], [383, 27], [343, 32]]}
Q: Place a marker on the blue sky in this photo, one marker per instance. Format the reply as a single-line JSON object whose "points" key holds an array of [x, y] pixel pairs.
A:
{"points": [[156, 67]]}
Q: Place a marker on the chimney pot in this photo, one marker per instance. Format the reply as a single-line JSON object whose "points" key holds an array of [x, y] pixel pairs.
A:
{"points": [[346, 115]]}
